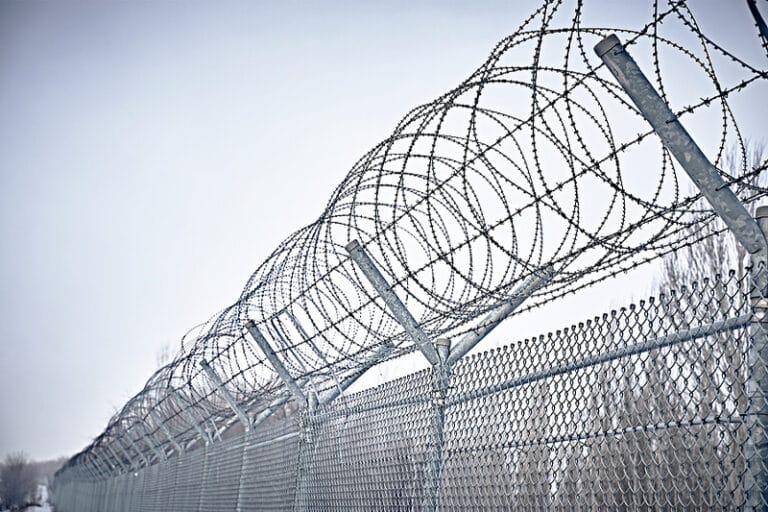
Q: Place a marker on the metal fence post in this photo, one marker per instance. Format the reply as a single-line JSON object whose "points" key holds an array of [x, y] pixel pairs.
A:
{"points": [[275, 361], [308, 403], [534, 282], [756, 450], [219, 384], [133, 463], [207, 449], [751, 234], [685, 150], [167, 433], [306, 454], [241, 481], [392, 301], [439, 355], [441, 379]]}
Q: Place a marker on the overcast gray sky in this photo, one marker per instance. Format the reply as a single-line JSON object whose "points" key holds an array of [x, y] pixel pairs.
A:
{"points": [[153, 154]]}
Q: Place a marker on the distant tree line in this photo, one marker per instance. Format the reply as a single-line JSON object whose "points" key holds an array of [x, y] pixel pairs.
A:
{"points": [[20, 479]]}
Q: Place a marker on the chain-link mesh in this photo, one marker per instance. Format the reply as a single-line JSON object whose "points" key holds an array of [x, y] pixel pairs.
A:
{"points": [[644, 408], [534, 178]]}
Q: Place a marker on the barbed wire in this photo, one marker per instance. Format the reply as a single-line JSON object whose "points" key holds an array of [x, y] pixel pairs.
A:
{"points": [[536, 159]]}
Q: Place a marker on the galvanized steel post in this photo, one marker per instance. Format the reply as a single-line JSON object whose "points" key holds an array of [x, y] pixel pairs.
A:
{"points": [[441, 379], [275, 361], [306, 454], [392, 301], [439, 355], [494, 318], [751, 234], [219, 384], [117, 459], [677, 140], [756, 449], [308, 404], [138, 452]]}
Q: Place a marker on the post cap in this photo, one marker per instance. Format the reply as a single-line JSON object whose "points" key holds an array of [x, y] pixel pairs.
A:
{"points": [[606, 45], [351, 246], [443, 342], [762, 212]]}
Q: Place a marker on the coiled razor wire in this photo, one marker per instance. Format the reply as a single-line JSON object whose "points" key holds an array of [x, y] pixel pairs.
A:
{"points": [[536, 159]]}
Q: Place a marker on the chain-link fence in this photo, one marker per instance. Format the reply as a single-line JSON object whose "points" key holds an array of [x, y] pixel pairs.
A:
{"points": [[549, 169], [646, 407]]}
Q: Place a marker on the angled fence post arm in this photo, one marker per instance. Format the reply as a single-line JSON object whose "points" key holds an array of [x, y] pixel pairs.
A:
{"points": [[494, 318], [160, 455], [171, 439], [677, 140], [131, 463], [106, 461], [138, 452], [141, 454], [217, 382], [215, 430], [393, 302], [204, 435], [274, 405], [104, 467], [276, 363], [100, 471], [756, 449], [748, 232], [92, 469], [117, 459], [96, 464]]}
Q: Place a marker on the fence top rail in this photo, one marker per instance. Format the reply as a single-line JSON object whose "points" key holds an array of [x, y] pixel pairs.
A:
{"points": [[528, 164]]}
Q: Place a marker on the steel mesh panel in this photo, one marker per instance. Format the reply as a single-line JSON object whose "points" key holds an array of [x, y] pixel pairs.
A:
{"points": [[596, 438], [645, 408], [269, 471], [222, 476], [166, 484], [129, 492], [189, 480], [152, 487], [532, 179], [370, 450]]}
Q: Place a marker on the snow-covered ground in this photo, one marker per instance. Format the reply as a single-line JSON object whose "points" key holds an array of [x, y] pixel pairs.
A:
{"points": [[42, 493], [42, 498]]}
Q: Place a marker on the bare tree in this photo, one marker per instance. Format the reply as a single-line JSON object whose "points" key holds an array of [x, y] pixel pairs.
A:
{"points": [[18, 482], [699, 466], [163, 355], [718, 364], [719, 252]]}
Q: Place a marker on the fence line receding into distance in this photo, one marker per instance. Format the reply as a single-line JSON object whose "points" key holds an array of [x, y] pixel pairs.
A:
{"points": [[544, 172]]}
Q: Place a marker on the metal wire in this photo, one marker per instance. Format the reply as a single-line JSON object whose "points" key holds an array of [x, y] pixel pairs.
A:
{"points": [[594, 416], [535, 160]]}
